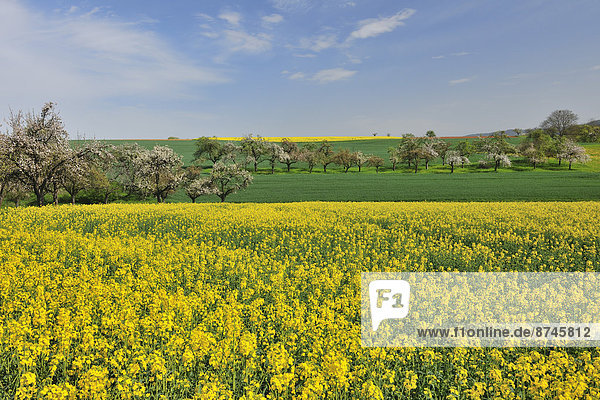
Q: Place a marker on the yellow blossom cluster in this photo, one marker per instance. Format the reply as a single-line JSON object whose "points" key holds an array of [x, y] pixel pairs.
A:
{"points": [[262, 301]]}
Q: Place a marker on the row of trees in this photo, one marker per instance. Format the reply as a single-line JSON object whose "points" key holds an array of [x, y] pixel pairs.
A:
{"points": [[537, 146], [36, 157], [253, 151]]}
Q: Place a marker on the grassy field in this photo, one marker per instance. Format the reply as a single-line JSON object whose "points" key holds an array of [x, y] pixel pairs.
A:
{"points": [[520, 182], [524, 186]]}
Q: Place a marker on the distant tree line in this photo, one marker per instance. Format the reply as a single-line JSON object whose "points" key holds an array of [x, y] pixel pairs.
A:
{"points": [[36, 158]]}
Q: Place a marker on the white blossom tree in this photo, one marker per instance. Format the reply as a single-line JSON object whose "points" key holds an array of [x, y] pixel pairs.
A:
{"points": [[360, 159], [453, 157], [37, 149], [226, 179], [571, 152], [496, 150], [428, 152], [273, 154], [160, 171], [292, 153], [200, 187], [255, 148]]}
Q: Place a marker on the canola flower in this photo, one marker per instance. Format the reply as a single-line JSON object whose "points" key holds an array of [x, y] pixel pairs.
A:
{"points": [[262, 301]]}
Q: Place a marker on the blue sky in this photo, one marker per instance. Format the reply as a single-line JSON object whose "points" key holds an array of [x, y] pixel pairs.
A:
{"points": [[154, 69]]}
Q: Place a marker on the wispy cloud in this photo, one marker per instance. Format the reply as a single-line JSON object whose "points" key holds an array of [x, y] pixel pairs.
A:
{"points": [[204, 16], [241, 41], [88, 55], [306, 55], [376, 26], [459, 81], [292, 5], [595, 68], [458, 54], [232, 17], [317, 43], [297, 75], [322, 76], [272, 19], [232, 36], [332, 75]]}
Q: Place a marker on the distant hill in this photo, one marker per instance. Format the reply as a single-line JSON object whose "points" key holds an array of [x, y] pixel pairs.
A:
{"points": [[593, 123]]}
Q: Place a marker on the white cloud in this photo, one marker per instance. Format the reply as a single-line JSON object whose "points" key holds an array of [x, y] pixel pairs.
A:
{"points": [[323, 76], [376, 26], [204, 16], [595, 68], [460, 54], [297, 75], [272, 19], [318, 43], [231, 17], [438, 57], [459, 81], [240, 41], [292, 5], [307, 55], [332, 75], [88, 56], [210, 34]]}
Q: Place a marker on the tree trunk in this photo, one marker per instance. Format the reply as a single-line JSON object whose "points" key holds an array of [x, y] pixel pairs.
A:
{"points": [[2, 188], [222, 197], [40, 198], [393, 166], [443, 160], [158, 198], [426, 164], [288, 169], [325, 168], [73, 198], [570, 162], [106, 198], [496, 166], [359, 167], [416, 167], [559, 161], [272, 168], [255, 166], [377, 169], [55, 194], [452, 166], [17, 202]]}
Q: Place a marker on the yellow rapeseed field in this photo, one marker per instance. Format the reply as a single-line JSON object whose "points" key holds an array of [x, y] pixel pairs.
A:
{"points": [[255, 301]]}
